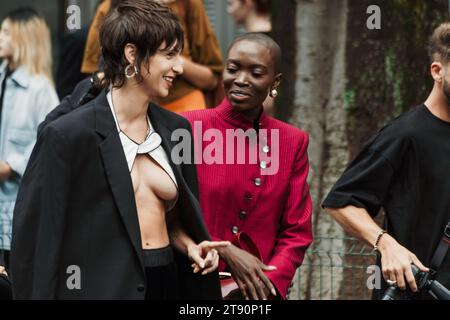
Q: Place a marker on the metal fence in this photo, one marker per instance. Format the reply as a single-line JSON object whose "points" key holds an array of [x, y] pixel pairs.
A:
{"points": [[334, 269]]}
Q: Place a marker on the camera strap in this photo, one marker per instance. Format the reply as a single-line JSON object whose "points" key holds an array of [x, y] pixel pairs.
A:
{"points": [[442, 249]]}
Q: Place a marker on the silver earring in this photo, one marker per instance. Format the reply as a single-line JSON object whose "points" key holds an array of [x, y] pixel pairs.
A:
{"points": [[127, 71], [274, 93]]}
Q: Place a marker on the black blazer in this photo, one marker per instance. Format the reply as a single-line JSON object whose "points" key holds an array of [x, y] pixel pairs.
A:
{"points": [[84, 92], [76, 207]]}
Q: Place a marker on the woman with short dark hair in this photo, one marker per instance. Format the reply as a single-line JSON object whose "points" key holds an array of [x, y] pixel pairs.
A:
{"points": [[104, 213]]}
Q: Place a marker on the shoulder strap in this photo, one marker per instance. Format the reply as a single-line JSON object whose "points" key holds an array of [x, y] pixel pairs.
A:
{"points": [[441, 251]]}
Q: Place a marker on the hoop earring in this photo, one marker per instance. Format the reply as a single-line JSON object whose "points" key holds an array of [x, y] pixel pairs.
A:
{"points": [[127, 71], [274, 93]]}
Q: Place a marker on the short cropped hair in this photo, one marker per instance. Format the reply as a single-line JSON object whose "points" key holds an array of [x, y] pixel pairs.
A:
{"points": [[439, 44], [145, 24], [266, 41]]}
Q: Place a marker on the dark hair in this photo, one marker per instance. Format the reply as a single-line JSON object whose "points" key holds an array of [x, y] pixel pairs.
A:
{"points": [[266, 41], [114, 3], [145, 24], [439, 44], [22, 14], [262, 6]]}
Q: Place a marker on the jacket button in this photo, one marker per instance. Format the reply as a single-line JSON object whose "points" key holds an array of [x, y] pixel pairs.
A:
{"points": [[258, 182], [243, 215], [263, 165], [266, 149], [235, 230], [141, 288]]}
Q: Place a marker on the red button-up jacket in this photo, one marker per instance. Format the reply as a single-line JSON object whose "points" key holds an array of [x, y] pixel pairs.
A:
{"points": [[272, 206]]}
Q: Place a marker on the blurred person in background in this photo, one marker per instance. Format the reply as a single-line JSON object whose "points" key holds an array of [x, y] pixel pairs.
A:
{"points": [[69, 74], [254, 15], [27, 94]]}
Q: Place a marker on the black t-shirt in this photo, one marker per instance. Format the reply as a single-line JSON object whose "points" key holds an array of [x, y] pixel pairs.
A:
{"points": [[404, 169]]}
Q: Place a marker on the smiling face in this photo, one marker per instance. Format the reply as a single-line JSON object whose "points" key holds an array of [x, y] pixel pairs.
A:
{"points": [[162, 69], [249, 75], [6, 41]]}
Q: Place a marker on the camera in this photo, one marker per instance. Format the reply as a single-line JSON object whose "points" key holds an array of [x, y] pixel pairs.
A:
{"points": [[424, 283]]}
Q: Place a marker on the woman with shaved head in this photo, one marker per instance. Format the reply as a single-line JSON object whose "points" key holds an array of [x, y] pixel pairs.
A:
{"points": [[262, 207]]}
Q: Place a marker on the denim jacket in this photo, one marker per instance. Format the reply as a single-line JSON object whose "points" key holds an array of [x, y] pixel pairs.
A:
{"points": [[27, 100]]}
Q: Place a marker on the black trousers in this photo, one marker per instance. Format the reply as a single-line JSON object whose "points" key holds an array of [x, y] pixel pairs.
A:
{"points": [[161, 273]]}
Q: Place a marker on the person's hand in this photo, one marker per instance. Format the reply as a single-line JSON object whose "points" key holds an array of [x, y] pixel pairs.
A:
{"points": [[3, 271], [234, 295], [5, 171], [248, 272], [205, 255], [396, 263]]}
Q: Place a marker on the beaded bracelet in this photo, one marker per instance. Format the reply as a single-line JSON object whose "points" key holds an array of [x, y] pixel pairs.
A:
{"points": [[380, 234]]}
